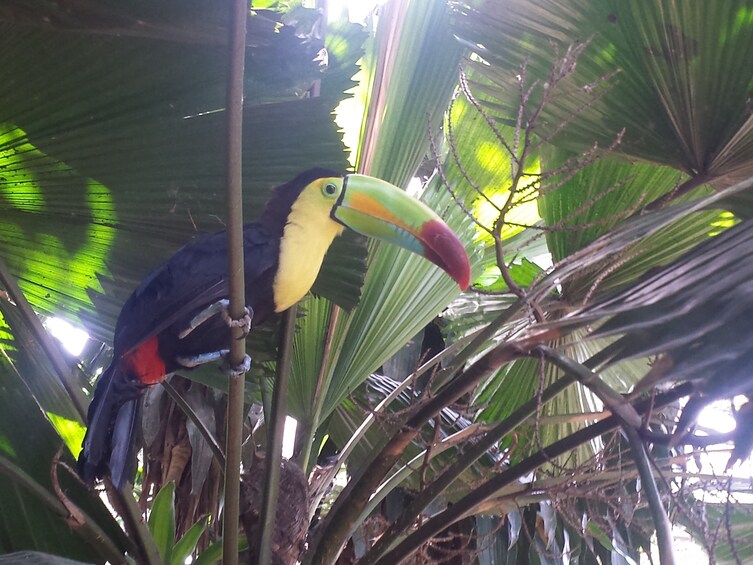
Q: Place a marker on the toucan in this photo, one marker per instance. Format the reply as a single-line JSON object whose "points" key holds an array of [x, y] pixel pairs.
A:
{"points": [[156, 333]]}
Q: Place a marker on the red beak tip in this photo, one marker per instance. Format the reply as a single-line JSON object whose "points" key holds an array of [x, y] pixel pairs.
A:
{"points": [[463, 275], [443, 248]]}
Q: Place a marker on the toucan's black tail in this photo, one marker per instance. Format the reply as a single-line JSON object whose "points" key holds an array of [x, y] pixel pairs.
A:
{"points": [[109, 446]]}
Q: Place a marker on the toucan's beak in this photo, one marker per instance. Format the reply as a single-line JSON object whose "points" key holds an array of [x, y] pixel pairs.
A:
{"points": [[378, 209]]}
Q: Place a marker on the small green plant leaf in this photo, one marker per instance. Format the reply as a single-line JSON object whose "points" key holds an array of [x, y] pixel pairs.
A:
{"points": [[187, 544], [162, 521], [594, 530], [213, 553]]}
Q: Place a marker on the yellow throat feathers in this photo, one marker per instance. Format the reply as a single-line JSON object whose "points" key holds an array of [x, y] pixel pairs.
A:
{"points": [[306, 238]]}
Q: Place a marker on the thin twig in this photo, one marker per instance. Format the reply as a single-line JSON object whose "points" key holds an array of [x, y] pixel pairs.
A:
{"points": [[612, 400], [458, 161], [463, 80], [728, 524], [446, 183], [625, 257], [630, 421], [360, 432]]}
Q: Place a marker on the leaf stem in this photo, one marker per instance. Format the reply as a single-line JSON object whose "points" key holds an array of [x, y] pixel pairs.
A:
{"points": [[692, 183], [465, 506], [630, 422], [262, 546], [471, 453], [341, 519], [191, 415], [655, 505], [322, 382], [87, 528], [125, 506]]}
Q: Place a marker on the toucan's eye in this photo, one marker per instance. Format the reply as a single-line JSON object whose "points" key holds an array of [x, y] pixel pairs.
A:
{"points": [[330, 189]]}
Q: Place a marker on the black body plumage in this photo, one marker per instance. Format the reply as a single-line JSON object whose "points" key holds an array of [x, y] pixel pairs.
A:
{"points": [[161, 307]]}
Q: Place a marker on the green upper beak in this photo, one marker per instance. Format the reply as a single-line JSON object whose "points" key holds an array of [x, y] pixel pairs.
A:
{"points": [[379, 209]]}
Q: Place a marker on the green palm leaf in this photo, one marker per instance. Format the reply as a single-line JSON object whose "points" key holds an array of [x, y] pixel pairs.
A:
{"points": [[118, 160], [680, 92], [29, 519], [402, 291]]}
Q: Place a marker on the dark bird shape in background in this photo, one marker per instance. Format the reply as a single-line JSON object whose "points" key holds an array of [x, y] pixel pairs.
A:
{"points": [[283, 254], [695, 314]]}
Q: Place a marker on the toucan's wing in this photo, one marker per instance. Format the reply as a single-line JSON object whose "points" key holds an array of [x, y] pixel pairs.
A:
{"points": [[192, 279]]}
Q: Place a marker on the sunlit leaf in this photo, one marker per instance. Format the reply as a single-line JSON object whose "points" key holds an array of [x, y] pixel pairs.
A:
{"points": [[119, 160], [680, 92], [71, 431], [416, 81]]}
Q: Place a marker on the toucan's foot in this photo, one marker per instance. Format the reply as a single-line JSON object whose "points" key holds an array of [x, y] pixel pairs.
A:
{"points": [[222, 354], [244, 322], [238, 370], [204, 315], [202, 359], [220, 307]]}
